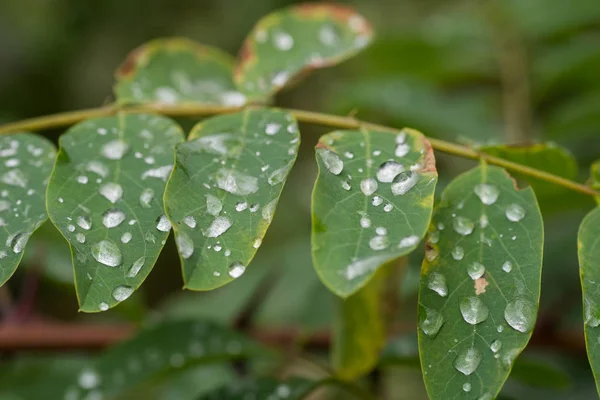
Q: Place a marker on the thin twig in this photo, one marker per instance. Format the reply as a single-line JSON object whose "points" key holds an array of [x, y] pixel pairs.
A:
{"points": [[69, 118]]}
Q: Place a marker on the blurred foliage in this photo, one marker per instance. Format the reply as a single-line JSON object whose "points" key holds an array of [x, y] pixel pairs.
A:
{"points": [[447, 68]]}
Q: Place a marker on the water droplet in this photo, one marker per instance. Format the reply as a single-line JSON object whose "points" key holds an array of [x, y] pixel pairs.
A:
{"points": [[402, 149], [368, 186], [71, 228], [467, 361], [379, 242], [113, 218], [98, 168], [590, 311], [115, 149], [254, 207], [113, 192], [236, 269], [107, 253], [520, 315], [84, 222], [349, 155], [434, 237], [190, 221], [346, 185], [257, 243], [488, 194], [18, 241], [388, 207], [185, 245], [103, 306], [388, 171], [163, 224], [332, 161], [80, 237], [217, 227], [160, 172], [272, 128], [499, 328], [122, 292], [515, 212], [377, 201], [283, 41], [365, 221], [136, 267], [496, 346], [463, 226], [278, 176], [15, 177], [404, 182], [437, 283], [431, 323], [126, 237], [82, 179], [236, 182], [88, 379], [409, 241], [380, 230], [466, 387], [507, 266], [458, 253], [213, 205], [146, 198], [241, 206], [474, 310], [475, 270]]}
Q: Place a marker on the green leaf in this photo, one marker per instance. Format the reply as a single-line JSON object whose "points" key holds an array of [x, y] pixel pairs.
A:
{"points": [[547, 157], [296, 40], [480, 284], [359, 329], [589, 269], [105, 196], [372, 203], [177, 71], [155, 352], [26, 163], [224, 189], [265, 388]]}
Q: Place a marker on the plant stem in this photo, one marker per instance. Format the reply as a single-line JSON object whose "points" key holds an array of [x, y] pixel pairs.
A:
{"points": [[72, 117]]}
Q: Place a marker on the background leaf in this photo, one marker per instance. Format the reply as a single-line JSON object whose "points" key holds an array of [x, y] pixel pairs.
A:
{"points": [[224, 190], [359, 328], [480, 284], [295, 40], [264, 388], [367, 179], [155, 352], [105, 196], [589, 268], [595, 177], [26, 163], [177, 71]]}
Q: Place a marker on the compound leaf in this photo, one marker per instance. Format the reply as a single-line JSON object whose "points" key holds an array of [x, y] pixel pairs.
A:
{"points": [[224, 189], [588, 244], [298, 39], [26, 164], [372, 203], [480, 284], [156, 351], [105, 196], [177, 71]]}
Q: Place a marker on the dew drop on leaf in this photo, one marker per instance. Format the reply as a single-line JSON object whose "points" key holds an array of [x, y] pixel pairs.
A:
{"points": [[163, 224], [217, 227], [136, 267], [474, 310], [346, 185], [332, 161], [122, 292], [241, 206], [488, 194], [463, 226], [112, 218], [18, 242], [496, 346], [126, 237], [113, 192], [115, 149], [107, 253], [213, 205], [520, 315], [466, 387], [236, 269], [388, 171], [432, 322], [507, 266], [377, 201], [475, 270], [437, 283], [185, 245], [515, 212], [190, 221], [379, 242], [368, 186], [84, 222], [235, 182], [146, 198], [467, 361], [409, 241], [404, 182]]}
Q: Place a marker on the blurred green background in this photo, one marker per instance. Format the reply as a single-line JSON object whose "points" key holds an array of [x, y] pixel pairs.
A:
{"points": [[475, 72]]}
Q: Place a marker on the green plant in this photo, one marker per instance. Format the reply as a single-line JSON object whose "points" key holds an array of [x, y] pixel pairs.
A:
{"points": [[124, 176]]}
